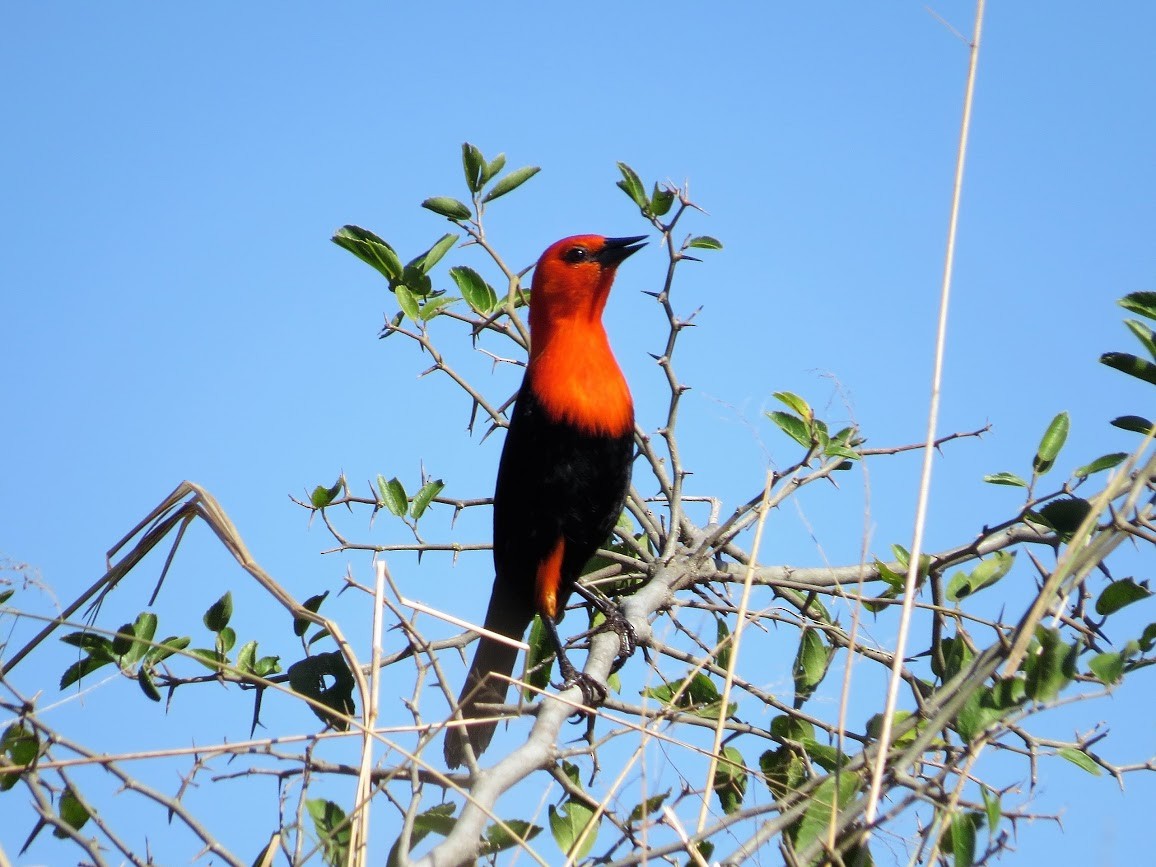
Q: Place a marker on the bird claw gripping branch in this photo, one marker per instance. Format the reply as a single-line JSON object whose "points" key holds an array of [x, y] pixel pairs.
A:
{"points": [[563, 476]]}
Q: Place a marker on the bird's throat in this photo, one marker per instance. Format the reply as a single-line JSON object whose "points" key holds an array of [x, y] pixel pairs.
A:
{"points": [[577, 381]]}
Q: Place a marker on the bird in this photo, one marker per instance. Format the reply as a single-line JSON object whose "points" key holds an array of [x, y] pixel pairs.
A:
{"points": [[564, 472]]}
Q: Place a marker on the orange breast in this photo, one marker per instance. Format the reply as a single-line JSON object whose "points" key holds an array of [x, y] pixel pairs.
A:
{"points": [[577, 380]]}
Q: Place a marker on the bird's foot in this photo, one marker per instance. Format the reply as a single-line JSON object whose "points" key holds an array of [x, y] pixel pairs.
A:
{"points": [[593, 692], [616, 622]]}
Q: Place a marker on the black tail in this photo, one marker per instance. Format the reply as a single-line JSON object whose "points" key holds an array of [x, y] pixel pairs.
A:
{"points": [[482, 686]]}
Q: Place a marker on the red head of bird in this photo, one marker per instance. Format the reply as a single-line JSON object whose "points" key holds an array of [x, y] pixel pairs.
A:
{"points": [[571, 367]]}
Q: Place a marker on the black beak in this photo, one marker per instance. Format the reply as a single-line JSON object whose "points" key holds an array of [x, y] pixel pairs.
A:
{"points": [[615, 250]]}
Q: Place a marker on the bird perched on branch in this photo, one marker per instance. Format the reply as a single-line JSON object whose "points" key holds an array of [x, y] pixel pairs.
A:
{"points": [[564, 473]]}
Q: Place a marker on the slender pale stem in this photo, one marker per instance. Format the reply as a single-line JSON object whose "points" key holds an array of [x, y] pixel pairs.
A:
{"points": [[932, 420]]}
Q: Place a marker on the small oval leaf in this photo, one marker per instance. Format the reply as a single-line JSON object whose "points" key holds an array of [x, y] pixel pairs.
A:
{"points": [[369, 248], [704, 242], [448, 207], [478, 293], [1053, 440], [511, 182], [393, 495], [1005, 479], [1127, 363], [424, 497], [1141, 303], [1119, 594], [1105, 462], [631, 184], [217, 617]]}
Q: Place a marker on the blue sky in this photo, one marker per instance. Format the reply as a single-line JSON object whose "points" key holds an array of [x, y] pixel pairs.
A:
{"points": [[173, 309]]}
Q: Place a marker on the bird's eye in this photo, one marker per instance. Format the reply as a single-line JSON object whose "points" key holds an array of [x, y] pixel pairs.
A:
{"points": [[576, 254]]}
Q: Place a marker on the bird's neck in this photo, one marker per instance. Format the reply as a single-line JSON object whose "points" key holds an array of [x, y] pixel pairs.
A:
{"points": [[575, 377]]}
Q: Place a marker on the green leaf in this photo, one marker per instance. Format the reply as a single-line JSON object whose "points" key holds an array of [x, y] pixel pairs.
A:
{"points": [[22, 746], [811, 662], [472, 163], [144, 679], [1144, 334], [1108, 667], [1147, 638], [1135, 423], [1140, 303], [792, 426], [825, 756], [985, 574], [568, 824], [1005, 479], [893, 579], [479, 294], [1065, 515], [313, 603], [492, 168], [72, 812], [21, 743], [650, 805], [730, 780], [963, 827], [800, 406], [415, 279], [323, 496], [1118, 594], [1105, 462], [1053, 440], [660, 200], [333, 830], [826, 801], [982, 709], [370, 249], [426, 261], [436, 820], [875, 728], [1127, 363], [144, 628], [511, 182], [425, 496], [1049, 670], [631, 184], [393, 495], [172, 644], [210, 659], [448, 207], [123, 640], [407, 301], [226, 638], [992, 807], [307, 678], [247, 658], [784, 770], [498, 838], [1080, 759], [704, 242], [267, 665], [5, 595], [538, 665], [956, 654], [219, 613], [433, 306], [791, 728], [722, 633]]}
